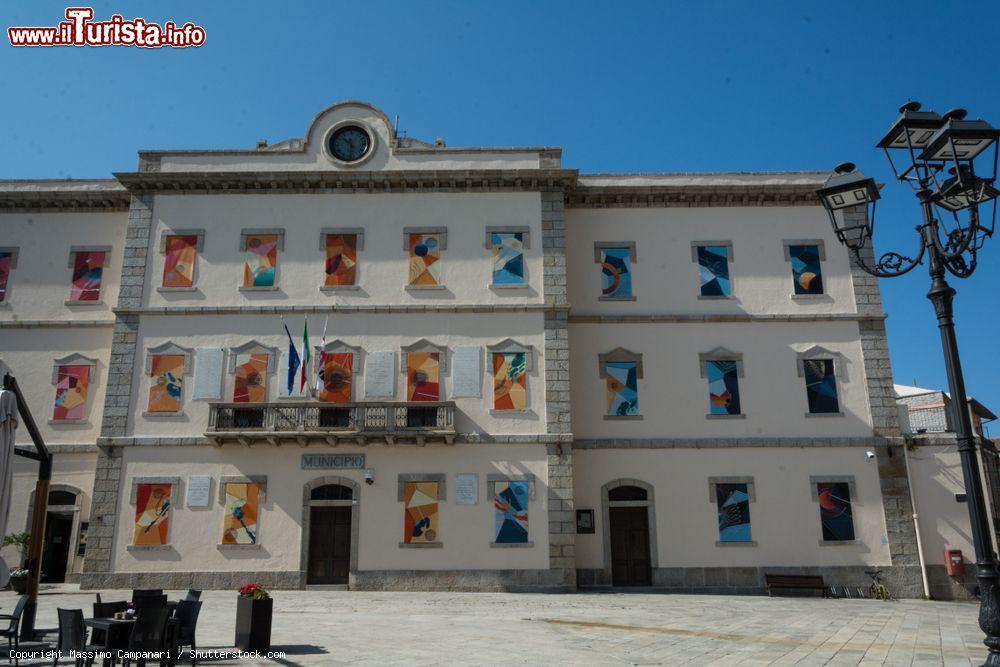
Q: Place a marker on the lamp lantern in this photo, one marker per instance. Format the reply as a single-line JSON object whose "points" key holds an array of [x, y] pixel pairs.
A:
{"points": [[847, 189]]}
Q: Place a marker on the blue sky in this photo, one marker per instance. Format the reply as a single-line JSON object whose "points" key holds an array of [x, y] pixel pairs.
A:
{"points": [[621, 86]]}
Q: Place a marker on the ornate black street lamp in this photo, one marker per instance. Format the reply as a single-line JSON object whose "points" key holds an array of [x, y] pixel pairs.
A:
{"points": [[939, 156]]}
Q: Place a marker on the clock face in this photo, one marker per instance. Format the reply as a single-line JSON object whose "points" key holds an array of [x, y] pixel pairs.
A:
{"points": [[349, 143]]}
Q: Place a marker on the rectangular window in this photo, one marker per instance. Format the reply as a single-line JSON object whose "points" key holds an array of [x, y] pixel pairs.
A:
{"points": [[510, 381], [835, 511], [508, 258], [713, 267], [166, 383], [733, 500], [250, 378], [622, 386], [510, 512], [423, 376], [336, 377], [341, 260], [261, 262], [88, 269], [178, 266], [425, 259], [616, 272], [420, 503], [821, 386], [6, 264], [242, 508], [723, 387], [152, 514], [72, 383], [807, 276]]}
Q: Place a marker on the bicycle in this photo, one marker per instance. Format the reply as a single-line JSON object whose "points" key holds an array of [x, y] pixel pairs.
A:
{"points": [[877, 590]]}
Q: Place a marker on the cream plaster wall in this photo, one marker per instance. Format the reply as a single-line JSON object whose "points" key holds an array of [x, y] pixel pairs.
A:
{"points": [[673, 397], [784, 520], [665, 279], [383, 264], [371, 332], [39, 286], [195, 532]]}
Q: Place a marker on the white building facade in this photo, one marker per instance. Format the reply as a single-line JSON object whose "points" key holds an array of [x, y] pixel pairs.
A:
{"points": [[530, 378]]}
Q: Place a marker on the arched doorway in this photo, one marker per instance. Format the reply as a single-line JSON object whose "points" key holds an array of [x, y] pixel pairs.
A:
{"points": [[330, 527], [629, 533], [62, 532]]}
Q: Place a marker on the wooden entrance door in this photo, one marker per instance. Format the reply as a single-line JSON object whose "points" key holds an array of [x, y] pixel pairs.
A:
{"points": [[630, 562], [329, 545], [58, 533]]}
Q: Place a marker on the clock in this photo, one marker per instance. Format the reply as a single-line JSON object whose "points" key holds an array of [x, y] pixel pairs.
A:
{"points": [[349, 143]]}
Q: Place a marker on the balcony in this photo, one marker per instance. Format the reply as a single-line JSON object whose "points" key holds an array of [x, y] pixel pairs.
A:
{"points": [[307, 423]]}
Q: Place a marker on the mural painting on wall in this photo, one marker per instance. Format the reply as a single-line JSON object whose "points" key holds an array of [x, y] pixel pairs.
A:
{"points": [[88, 267], [341, 259], [336, 376], [421, 518], [616, 272], [510, 381], [510, 512], [835, 511], [806, 273], [425, 259], [178, 267], [166, 383], [249, 380], [6, 259], [242, 506], [821, 385], [734, 512], [261, 260], [423, 376], [72, 383], [508, 258], [713, 266], [152, 514], [723, 388], [623, 389]]}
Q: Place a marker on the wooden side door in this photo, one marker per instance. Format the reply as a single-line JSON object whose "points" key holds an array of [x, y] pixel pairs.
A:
{"points": [[329, 545], [630, 561]]}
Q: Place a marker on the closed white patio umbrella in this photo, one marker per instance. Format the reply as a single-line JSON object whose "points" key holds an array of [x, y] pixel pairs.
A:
{"points": [[8, 424]]}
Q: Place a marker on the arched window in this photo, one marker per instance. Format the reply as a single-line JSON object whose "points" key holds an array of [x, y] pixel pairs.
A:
{"points": [[332, 492], [627, 493], [62, 498]]}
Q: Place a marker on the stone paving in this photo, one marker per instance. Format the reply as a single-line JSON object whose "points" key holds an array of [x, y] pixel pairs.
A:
{"points": [[320, 627]]}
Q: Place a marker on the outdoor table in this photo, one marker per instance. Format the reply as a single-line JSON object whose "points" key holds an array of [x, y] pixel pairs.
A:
{"points": [[116, 637]]}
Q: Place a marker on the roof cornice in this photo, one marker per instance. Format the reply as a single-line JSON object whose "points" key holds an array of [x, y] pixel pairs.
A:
{"points": [[28, 196], [688, 196]]}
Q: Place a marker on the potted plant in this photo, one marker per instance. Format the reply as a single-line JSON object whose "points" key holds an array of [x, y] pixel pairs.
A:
{"points": [[253, 618], [18, 575]]}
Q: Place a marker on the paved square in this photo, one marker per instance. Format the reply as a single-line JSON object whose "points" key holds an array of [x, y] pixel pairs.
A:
{"points": [[320, 627]]}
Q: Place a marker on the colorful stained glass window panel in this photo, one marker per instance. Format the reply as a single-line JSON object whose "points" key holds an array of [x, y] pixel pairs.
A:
{"points": [[72, 383], [152, 514], [423, 376], [341, 259], [621, 380], [510, 381], [510, 512], [616, 272], [835, 511], [178, 267], [713, 268], [508, 258], [733, 501], [166, 383], [88, 268], [425, 259], [6, 259], [250, 378], [723, 387], [261, 262], [807, 276], [821, 386], [242, 507], [336, 377], [420, 503]]}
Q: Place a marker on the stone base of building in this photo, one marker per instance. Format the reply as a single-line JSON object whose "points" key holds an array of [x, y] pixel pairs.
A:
{"points": [[291, 579], [902, 581], [944, 587]]}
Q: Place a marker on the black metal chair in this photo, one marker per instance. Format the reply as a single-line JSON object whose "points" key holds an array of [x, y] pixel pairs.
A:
{"points": [[73, 636], [193, 595], [105, 610], [145, 592], [14, 624], [187, 623], [146, 601], [148, 633]]}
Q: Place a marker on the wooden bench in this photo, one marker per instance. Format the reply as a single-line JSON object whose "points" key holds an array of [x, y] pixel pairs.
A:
{"points": [[799, 581]]}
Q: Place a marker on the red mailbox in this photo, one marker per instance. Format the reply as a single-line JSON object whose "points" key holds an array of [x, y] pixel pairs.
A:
{"points": [[954, 562]]}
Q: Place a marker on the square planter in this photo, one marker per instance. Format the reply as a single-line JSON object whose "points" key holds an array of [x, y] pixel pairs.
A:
{"points": [[253, 624]]}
